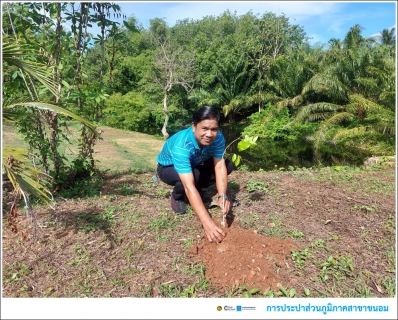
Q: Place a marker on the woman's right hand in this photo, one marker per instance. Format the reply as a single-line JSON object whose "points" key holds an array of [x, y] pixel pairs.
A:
{"points": [[213, 232]]}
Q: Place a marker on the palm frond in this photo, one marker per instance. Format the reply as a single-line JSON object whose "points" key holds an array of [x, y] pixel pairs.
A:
{"points": [[338, 118], [13, 54], [324, 108], [8, 111], [328, 85], [371, 106], [350, 133], [24, 178]]}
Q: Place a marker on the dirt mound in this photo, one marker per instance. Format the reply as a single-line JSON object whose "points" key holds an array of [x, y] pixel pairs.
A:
{"points": [[246, 258]]}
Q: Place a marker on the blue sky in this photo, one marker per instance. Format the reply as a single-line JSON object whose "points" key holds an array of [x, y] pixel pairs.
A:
{"points": [[321, 20]]}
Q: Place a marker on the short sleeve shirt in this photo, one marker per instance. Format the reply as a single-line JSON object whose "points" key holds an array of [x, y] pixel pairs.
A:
{"points": [[182, 151]]}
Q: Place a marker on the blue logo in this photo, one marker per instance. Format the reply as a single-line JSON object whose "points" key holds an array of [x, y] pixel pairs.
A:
{"points": [[238, 308]]}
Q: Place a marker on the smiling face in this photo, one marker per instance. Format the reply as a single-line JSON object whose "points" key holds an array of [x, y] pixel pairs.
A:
{"points": [[205, 132]]}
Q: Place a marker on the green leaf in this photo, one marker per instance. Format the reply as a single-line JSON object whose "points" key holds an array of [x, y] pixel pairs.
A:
{"points": [[306, 292], [283, 290], [243, 145], [238, 159], [253, 291], [65, 84]]}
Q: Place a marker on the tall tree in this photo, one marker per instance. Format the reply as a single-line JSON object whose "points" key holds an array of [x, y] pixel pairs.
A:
{"points": [[345, 98], [386, 37], [173, 65]]}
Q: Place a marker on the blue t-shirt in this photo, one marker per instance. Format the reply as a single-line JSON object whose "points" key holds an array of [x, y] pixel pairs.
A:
{"points": [[182, 151]]}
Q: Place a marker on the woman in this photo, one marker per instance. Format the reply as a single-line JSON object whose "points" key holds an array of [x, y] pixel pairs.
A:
{"points": [[192, 159]]}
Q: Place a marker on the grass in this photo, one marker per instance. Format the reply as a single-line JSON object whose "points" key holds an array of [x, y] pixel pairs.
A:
{"points": [[114, 228], [117, 151]]}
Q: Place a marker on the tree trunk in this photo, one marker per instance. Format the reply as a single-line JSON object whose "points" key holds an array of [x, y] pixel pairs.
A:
{"points": [[52, 116], [166, 116]]}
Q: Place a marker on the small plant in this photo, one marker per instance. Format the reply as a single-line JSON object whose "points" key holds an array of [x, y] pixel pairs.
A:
{"points": [[288, 293], [260, 186], [296, 234], [246, 143], [300, 256], [389, 284], [320, 244], [339, 268], [162, 192], [127, 189], [187, 243]]}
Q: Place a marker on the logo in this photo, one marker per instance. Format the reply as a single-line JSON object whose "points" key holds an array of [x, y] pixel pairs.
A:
{"points": [[240, 308], [219, 308], [228, 308]]}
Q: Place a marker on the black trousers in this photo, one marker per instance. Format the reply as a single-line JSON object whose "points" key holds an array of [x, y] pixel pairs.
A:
{"points": [[204, 176]]}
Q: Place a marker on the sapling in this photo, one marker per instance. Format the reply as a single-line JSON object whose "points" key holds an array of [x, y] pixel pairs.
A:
{"points": [[245, 143]]}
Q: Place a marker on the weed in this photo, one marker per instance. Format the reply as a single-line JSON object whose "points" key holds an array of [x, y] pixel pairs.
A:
{"points": [[13, 273], [288, 293], [390, 256], [260, 186], [320, 244], [83, 256], [389, 284], [169, 290], [300, 256], [146, 291], [276, 230], [296, 234], [160, 192], [189, 292], [188, 243], [334, 238], [339, 268], [127, 189], [194, 268]]}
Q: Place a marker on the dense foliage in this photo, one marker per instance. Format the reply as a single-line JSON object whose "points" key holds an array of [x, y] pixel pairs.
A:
{"points": [[329, 103]]}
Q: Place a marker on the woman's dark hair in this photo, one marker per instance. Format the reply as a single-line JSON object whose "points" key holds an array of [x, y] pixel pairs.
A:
{"points": [[205, 113]]}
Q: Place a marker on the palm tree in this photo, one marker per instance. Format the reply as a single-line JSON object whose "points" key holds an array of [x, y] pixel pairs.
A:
{"points": [[351, 97], [234, 79], [386, 37]]}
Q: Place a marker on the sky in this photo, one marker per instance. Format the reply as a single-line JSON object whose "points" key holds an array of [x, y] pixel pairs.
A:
{"points": [[321, 20]]}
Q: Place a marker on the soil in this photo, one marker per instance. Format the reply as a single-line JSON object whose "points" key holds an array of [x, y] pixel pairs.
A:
{"points": [[247, 258], [278, 213]]}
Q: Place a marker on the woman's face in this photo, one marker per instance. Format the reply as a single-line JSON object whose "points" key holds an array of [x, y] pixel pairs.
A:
{"points": [[205, 132]]}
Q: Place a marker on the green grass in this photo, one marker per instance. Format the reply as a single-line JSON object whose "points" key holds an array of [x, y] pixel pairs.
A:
{"points": [[117, 151]]}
